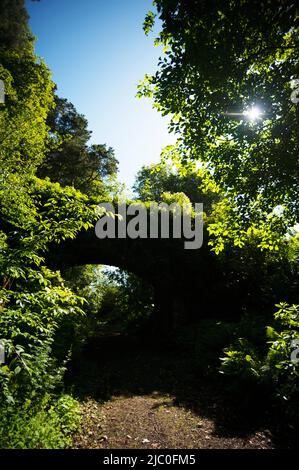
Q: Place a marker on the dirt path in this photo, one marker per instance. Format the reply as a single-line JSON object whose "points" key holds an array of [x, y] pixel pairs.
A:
{"points": [[139, 394], [154, 422]]}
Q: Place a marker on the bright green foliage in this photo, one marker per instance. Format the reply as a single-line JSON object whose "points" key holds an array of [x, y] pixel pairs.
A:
{"points": [[224, 221], [45, 425], [172, 176], [179, 199], [275, 364], [224, 57], [128, 300], [226, 228], [29, 95], [115, 301], [34, 302], [283, 341], [34, 212], [90, 283], [149, 22], [34, 299]]}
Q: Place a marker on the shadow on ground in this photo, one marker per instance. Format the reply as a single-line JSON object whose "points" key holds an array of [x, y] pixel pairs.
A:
{"points": [[119, 365]]}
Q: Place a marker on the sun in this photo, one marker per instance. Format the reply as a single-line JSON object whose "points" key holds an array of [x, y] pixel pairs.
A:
{"points": [[253, 113]]}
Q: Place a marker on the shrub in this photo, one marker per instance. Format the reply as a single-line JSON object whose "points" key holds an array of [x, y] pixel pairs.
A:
{"points": [[46, 424], [274, 367]]}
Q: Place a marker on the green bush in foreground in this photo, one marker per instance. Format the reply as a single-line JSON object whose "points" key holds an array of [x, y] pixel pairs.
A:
{"points": [[48, 424]]}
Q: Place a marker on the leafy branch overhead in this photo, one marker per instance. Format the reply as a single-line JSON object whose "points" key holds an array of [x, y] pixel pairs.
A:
{"points": [[222, 59]]}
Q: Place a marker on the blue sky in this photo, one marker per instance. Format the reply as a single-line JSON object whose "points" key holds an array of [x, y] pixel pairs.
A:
{"points": [[98, 52]]}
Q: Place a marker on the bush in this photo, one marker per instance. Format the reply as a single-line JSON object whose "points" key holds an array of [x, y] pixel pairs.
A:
{"points": [[206, 339], [273, 368], [46, 424]]}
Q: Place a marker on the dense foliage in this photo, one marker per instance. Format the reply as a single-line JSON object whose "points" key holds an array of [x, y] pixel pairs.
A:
{"points": [[228, 82], [34, 213], [221, 58]]}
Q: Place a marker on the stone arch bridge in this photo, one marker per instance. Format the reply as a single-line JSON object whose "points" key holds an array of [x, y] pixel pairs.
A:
{"points": [[184, 281]]}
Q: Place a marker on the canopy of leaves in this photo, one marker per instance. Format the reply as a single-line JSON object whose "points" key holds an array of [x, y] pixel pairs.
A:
{"points": [[154, 180], [33, 213], [222, 58]]}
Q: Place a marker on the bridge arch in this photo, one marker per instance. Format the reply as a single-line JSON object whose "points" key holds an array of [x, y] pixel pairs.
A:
{"points": [[181, 278]]}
